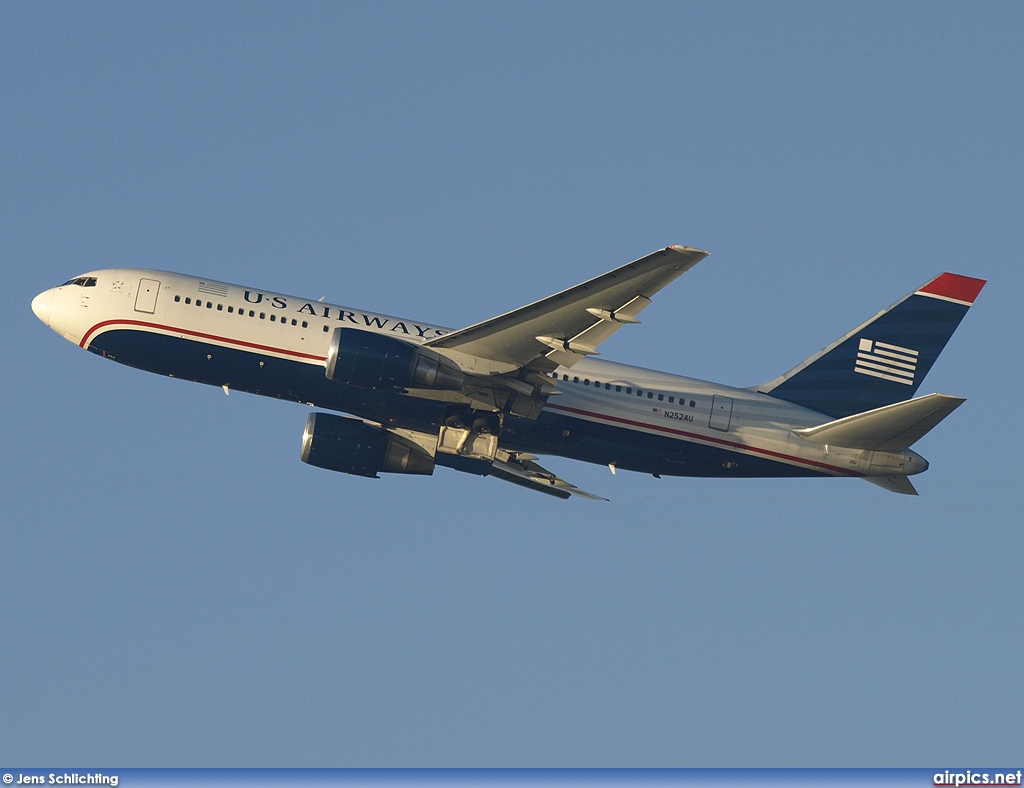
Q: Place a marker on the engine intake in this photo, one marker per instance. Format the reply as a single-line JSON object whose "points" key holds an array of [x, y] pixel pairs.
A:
{"points": [[375, 361], [352, 446]]}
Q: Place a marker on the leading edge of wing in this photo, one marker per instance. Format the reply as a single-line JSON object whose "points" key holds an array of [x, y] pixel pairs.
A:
{"points": [[512, 337]]}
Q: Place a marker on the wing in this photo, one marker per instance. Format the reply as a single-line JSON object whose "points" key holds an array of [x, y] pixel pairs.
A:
{"points": [[467, 456], [522, 470], [563, 328]]}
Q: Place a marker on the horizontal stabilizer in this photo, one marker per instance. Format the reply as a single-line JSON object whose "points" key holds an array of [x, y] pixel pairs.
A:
{"points": [[890, 428], [896, 484]]}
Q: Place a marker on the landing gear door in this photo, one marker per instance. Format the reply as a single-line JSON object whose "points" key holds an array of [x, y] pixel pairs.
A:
{"points": [[721, 413], [145, 301]]}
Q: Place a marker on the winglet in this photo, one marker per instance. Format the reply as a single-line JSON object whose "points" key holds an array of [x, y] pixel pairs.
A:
{"points": [[953, 287]]}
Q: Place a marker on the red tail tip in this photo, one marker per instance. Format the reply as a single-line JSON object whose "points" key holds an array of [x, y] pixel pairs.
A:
{"points": [[953, 286]]}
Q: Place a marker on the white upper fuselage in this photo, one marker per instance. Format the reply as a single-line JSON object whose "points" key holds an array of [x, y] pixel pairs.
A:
{"points": [[298, 329]]}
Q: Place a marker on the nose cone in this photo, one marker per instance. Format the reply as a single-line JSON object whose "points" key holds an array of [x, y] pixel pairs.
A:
{"points": [[42, 304]]}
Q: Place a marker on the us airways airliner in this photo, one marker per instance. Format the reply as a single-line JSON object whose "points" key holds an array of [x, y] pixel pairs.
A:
{"points": [[488, 398]]}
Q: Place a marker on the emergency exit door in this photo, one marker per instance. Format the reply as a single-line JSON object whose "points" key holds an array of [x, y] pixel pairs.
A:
{"points": [[721, 413], [145, 301]]}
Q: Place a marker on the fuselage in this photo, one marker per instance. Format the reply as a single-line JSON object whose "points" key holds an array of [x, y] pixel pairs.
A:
{"points": [[272, 344]]}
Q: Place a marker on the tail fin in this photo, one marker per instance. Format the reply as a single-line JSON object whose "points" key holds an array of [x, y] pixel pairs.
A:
{"points": [[884, 360]]}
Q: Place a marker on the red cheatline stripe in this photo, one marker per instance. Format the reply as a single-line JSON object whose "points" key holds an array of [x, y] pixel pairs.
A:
{"points": [[706, 439], [953, 286], [228, 340]]}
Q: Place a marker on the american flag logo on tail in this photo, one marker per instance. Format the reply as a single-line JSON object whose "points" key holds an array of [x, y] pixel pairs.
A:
{"points": [[889, 362]]}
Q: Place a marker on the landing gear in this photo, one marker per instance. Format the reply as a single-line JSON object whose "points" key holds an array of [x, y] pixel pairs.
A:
{"points": [[471, 434]]}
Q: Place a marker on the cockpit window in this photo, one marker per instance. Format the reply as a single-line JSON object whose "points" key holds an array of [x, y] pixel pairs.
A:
{"points": [[81, 281]]}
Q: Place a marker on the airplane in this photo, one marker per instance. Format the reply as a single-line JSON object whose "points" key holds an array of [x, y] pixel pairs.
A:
{"points": [[489, 398]]}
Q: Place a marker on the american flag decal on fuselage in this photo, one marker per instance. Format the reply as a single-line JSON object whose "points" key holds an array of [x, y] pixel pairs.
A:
{"points": [[889, 362], [213, 288]]}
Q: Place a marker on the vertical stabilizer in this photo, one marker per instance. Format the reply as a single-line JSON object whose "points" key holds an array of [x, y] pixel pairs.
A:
{"points": [[884, 360]]}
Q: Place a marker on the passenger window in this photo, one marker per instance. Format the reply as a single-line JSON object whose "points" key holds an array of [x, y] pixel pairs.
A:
{"points": [[198, 302], [305, 324], [575, 380], [661, 397], [629, 390], [251, 313], [692, 404], [177, 299], [220, 307], [273, 318], [209, 304], [565, 377], [650, 395], [639, 392], [294, 321], [326, 329], [263, 315], [671, 399], [586, 381], [231, 309], [188, 300], [618, 388]]}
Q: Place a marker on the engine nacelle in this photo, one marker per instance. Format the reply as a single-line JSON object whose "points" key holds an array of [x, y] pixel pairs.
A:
{"points": [[352, 446], [375, 361]]}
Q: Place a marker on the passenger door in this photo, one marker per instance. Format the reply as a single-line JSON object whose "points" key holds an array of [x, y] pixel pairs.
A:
{"points": [[145, 301], [721, 413]]}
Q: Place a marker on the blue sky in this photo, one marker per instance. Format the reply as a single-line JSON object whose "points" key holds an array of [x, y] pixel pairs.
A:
{"points": [[180, 590]]}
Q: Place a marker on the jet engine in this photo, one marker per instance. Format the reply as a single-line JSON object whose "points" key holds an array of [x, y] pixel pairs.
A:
{"points": [[362, 358], [352, 446]]}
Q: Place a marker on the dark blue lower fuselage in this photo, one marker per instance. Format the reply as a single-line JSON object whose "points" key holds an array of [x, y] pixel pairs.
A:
{"points": [[552, 433]]}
